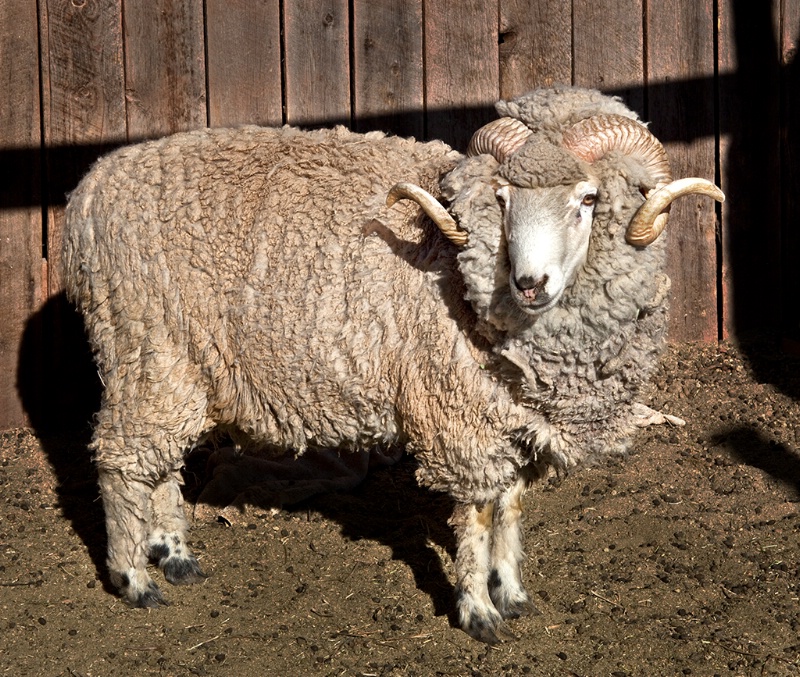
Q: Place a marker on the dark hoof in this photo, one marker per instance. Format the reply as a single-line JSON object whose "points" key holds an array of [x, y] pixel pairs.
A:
{"points": [[509, 608], [182, 571], [488, 631], [151, 598]]}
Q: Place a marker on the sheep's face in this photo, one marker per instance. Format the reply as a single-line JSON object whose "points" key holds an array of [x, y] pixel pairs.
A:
{"points": [[547, 230]]}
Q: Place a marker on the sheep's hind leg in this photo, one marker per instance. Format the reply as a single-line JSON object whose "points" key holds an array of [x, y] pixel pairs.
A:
{"points": [[505, 579], [167, 539], [126, 503], [476, 612]]}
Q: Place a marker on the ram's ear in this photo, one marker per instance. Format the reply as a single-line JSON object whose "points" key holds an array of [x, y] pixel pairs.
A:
{"points": [[503, 194]]}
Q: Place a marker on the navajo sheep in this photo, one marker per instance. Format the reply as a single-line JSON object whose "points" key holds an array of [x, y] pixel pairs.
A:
{"points": [[254, 279]]}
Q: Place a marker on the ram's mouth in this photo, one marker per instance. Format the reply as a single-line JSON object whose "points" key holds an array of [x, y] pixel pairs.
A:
{"points": [[532, 299], [533, 306]]}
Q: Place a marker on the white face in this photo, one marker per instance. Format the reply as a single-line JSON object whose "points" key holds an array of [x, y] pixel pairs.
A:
{"points": [[547, 230]]}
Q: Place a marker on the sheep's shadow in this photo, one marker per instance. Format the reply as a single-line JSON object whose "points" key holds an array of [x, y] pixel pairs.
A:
{"points": [[60, 390], [770, 364], [749, 446], [387, 507]]}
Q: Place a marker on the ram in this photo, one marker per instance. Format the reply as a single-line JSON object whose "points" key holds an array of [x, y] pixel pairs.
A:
{"points": [[259, 281]]}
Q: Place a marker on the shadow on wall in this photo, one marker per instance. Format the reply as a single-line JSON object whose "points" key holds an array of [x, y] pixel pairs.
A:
{"points": [[763, 221], [56, 376], [763, 176]]}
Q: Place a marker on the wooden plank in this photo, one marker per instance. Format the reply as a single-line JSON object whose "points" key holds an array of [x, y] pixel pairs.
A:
{"points": [[681, 48], [83, 101], [790, 168], [608, 47], [388, 76], [750, 170], [20, 217], [535, 45], [83, 115], [461, 67], [165, 73], [244, 62], [317, 68]]}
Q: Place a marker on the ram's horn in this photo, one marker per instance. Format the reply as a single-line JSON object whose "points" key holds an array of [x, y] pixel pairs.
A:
{"points": [[651, 218], [431, 206], [594, 137], [499, 138]]}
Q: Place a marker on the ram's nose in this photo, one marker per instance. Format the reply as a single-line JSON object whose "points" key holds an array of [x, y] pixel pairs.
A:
{"points": [[531, 287]]}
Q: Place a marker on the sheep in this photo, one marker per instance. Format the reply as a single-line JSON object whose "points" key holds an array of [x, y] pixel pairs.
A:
{"points": [[499, 321]]}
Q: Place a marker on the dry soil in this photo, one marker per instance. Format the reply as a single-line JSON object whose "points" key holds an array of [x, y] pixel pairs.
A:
{"points": [[679, 559]]}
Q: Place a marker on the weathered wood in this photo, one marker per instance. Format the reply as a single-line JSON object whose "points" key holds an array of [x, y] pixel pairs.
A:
{"points": [[83, 114], [388, 75], [20, 224], [83, 101], [790, 168], [535, 45], [427, 68], [244, 62], [461, 68], [750, 171], [681, 48], [608, 47], [317, 69], [165, 74]]}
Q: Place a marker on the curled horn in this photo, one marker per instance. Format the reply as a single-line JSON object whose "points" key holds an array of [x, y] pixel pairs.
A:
{"points": [[431, 206], [499, 138], [643, 228], [592, 138]]}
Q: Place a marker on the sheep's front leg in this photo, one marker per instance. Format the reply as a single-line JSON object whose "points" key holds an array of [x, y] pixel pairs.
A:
{"points": [[505, 578], [126, 503], [167, 539], [476, 612]]}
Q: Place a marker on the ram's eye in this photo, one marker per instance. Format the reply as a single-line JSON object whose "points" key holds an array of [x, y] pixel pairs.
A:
{"points": [[589, 200]]}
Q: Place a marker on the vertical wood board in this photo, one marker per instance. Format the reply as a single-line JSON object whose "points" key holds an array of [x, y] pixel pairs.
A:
{"points": [[83, 101], [20, 218], [750, 164], [165, 74], [317, 69], [244, 62], [608, 47], [790, 167], [84, 115], [388, 75], [681, 48], [461, 68], [535, 47]]}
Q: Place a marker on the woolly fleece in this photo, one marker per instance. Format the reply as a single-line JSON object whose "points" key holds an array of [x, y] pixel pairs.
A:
{"points": [[253, 279]]}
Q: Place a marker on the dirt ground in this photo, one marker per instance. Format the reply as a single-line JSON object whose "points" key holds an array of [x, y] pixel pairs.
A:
{"points": [[680, 559]]}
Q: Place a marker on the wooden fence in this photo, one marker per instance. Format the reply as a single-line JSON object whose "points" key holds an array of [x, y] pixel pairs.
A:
{"points": [[717, 78]]}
